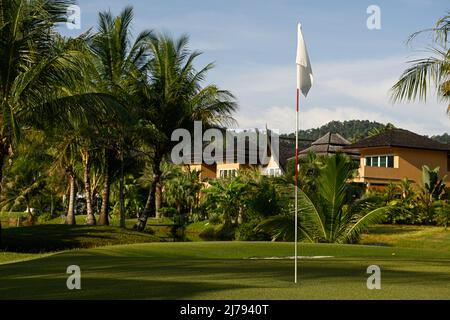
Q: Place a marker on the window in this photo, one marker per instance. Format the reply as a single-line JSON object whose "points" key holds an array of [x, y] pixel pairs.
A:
{"points": [[228, 173], [375, 162], [273, 172], [390, 161], [384, 161]]}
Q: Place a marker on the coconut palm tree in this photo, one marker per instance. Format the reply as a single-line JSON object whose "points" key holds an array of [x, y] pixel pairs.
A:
{"points": [[424, 74], [171, 96], [117, 63], [326, 215], [33, 69]]}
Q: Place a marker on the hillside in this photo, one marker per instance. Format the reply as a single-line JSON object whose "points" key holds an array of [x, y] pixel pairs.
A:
{"points": [[352, 130]]}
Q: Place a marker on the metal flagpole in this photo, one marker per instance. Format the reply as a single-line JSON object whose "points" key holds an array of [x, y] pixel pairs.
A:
{"points": [[296, 182], [304, 83]]}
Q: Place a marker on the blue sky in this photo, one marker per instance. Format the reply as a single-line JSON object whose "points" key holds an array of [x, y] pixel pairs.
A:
{"points": [[253, 44]]}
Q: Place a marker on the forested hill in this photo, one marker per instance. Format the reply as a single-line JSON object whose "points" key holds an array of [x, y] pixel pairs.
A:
{"points": [[352, 130]]}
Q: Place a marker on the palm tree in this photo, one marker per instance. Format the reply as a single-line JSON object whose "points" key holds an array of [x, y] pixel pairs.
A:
{"points": [[25, 177], [326, 215], [169, 172], [183, 191], [66, 156], [426, 73], [118, 62], [171, 96], [228, 197], [32, 69]]}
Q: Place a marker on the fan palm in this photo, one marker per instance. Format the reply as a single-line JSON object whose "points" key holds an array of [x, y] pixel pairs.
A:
{"points": [[172, 97], [326, 215], [434, 71]]}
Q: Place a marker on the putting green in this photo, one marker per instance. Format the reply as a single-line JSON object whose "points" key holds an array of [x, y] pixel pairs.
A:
{"points": [[225, 270]]}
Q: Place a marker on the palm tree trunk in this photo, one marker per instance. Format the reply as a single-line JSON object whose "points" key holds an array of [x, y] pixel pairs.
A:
{"points": [[150, 205], [121, 194], [70, 217], [3, 155], [103, 219], [90, 218], [158, 200]]}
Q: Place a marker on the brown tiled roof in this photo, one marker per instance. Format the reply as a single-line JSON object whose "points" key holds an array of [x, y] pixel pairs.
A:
{"points": [[331, 139], [329, 144], [399, 138]]}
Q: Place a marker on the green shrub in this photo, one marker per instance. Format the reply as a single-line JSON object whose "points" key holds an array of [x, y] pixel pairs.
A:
{"points": [[215, 218], [442, 217], [220, 233], [44, 217], [246, 232], [167, 211], [208, 234], [225, 233]]}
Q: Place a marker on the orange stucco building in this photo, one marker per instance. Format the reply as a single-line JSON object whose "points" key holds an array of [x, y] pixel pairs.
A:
{"points": [[397, 154]]}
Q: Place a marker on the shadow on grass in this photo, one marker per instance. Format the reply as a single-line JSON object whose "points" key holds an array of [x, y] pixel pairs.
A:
{"points": [[393, 229], [116, 277], [49, 238]]}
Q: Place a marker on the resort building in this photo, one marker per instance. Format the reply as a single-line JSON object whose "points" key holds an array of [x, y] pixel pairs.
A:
{"points": [[397, 154], [385, 158], [274, 165]]}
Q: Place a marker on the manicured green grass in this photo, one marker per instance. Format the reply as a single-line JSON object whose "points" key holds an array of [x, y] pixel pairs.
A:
{"points": [[224, 270], [8, 257], [426, 237]]}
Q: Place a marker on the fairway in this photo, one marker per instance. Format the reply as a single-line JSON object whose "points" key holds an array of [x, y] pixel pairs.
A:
{"points": [[225, 270]]}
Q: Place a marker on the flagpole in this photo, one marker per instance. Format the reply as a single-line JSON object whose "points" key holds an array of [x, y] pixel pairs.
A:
{"points": [[304, 83], [296, 184]]}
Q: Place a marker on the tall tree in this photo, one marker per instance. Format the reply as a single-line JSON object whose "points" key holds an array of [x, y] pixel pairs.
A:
{"points": [[171, 96], [118, 62], [32, 69]]}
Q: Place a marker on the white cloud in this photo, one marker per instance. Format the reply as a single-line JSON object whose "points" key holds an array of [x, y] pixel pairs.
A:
{"points": [[343, 90]]}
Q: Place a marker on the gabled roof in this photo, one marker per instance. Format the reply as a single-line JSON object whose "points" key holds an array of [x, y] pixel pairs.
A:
{"points": [[399, 138], [331, 139], [328, 144]]}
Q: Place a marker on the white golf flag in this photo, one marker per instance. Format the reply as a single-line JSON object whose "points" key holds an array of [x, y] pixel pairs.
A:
{"points": [[304, 71]]}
